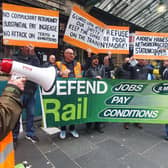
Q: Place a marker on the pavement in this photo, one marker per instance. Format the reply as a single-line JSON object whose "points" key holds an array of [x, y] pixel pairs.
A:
{"points": [[115, 148]]}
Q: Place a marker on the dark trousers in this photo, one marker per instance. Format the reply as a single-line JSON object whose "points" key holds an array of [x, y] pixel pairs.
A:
{"points": [[29, 106], [166, 128], [97, 125], [71, 128]]}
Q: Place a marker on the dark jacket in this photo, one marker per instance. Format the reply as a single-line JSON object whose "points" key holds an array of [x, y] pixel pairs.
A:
{"points": [[10, 109], [92, 72], [161, 69], [87, 64], [140, 72], [109, 68], [124, 72], [30, 87], [48, 64], [165, 73]]}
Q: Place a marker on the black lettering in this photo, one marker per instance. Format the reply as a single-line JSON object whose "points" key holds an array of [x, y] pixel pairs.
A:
{"points": [[19, 34], [15, 24], [73, 27], [82, 31], [72, 34], [6, 14], [32, 26], [32, 36], [46, 19], [47, 27], [81, 37], [6, 33]]}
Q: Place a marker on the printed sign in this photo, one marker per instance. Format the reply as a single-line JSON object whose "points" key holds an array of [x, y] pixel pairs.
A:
{"points": [[115, 39], [149, 45], [25, 25], [86, 32], [76, 101]]}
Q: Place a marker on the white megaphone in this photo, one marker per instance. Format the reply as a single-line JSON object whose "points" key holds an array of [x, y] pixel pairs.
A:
{"points": [[45, 77]]}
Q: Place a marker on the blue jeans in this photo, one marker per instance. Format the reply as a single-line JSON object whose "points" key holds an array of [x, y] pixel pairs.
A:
{"points": [[28, 101]]}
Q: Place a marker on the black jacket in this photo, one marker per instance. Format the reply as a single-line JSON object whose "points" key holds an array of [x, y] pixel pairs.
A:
{"points": [[109, 68], [92, 72], [124, 72], [165, 73], [30, 87], [140, 72]]}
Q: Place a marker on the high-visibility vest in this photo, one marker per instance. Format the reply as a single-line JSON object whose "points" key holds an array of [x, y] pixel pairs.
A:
{"points": [[77, 69], [7, 159]]}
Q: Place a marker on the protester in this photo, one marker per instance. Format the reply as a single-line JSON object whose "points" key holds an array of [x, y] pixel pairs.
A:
{"points": [[150, 76], [10, 109], [51, 61], [27, 55], [124, 72], [96, 71], [140, 72], [164, 75], [108, 64], [69, 68]]}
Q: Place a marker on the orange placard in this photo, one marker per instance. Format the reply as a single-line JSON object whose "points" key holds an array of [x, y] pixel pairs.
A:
{"points": [[151, 34], [117, 27], [85, 31], [147, 57], [33, 43], [151, 45], [114, 51], [80, 44], [24, 9], [26, 25], [87, 16]]}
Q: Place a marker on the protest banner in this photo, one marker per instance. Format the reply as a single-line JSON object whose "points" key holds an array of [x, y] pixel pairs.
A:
{"points": [[116, 40], [26, 25], [76, 101], [83, 30], [150, 45], [87, 32]]}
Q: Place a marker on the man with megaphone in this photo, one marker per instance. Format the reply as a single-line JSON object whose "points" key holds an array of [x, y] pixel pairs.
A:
{"points": [[10, 109]]}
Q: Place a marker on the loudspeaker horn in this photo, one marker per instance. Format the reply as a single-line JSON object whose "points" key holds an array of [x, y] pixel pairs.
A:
{"points": [[45, 77]]}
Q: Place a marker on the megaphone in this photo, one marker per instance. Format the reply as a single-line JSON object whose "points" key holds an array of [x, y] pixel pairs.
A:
{"points": [[45, 77]]}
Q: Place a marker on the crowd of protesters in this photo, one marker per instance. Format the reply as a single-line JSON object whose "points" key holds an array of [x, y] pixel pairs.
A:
{"points": [[96, 67]]}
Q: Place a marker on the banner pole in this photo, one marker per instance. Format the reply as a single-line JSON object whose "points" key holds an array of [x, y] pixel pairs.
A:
{"points": [[52, 130], [42, 109]]}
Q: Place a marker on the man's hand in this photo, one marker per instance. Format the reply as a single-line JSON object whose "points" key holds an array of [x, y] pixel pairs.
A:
{"points": [[31, 49], [20, 82], [66, 72], [109, 54], [89, 52], [132, 58], [98, 77], [28, 50]]}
